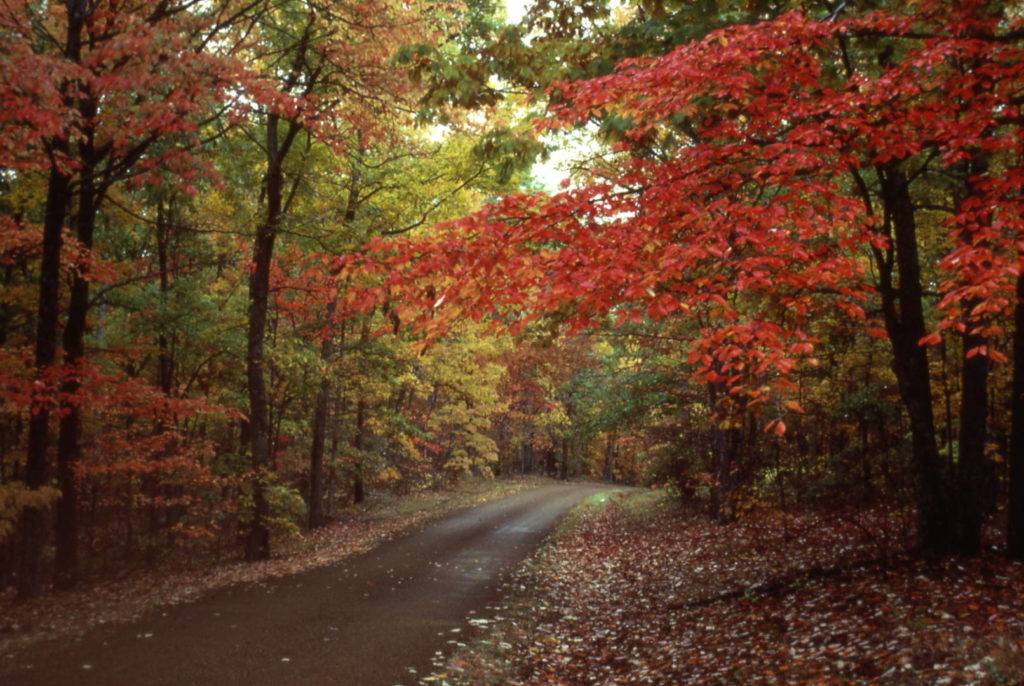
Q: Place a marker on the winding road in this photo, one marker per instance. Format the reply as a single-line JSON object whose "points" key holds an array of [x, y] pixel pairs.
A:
{"points": [[378, 618]]}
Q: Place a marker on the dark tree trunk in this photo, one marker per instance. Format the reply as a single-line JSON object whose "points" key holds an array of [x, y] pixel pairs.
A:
{"points": [[316, 451], [724, 447], [33, 525], [970, 467], [1015, 511], [150, 486], [359, 443], [609, 458], [69, 443], [725, 469], [164, 227], [358, 490], [903, 309], [258, 542], [565, 460], [277, 148]]}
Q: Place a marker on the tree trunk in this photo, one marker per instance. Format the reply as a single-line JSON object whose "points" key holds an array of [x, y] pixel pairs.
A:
{"points": [[1015, 510], [609, 458], [970, 467], [33, 525], [316, 451], [258, 542], [165, 372], [565, 460], [58, 198], [903, 309], [359, 443], [69, 443], [164, 227], [723, 467]]}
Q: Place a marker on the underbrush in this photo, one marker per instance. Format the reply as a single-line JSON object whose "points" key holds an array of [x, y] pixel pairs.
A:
{"points": [[635, 592]]}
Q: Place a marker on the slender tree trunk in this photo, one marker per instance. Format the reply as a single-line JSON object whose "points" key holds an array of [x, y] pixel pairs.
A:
{"points": [[158, 517], [903, 309], [320, 416], [316, 453], [1015, 510], [164, 227], [609, 458], [565, 460], [258, 542], [69, 443], [33, 526], [359, 443], [970, 467], [724, 446]]}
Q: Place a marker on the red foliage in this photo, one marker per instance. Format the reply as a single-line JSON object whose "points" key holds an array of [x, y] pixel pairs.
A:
{"points": [[748, 220]]}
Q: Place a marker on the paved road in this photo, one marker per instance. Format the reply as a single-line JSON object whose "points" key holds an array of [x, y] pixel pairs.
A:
{"points": [[363, 622]]}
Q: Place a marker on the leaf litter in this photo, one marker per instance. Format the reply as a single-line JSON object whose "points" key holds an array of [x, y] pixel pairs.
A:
{"points": [[637, 592]]}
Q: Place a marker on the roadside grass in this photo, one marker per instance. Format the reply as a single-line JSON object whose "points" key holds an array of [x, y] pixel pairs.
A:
{"points": [[355, 530], [634, 591]]}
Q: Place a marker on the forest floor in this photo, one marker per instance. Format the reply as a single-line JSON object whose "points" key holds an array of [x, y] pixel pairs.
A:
{"points": [[634, 591], [102, 601]]}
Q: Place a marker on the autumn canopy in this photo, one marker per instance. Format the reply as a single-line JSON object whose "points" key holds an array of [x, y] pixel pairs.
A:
{"points": [[258, 258]]}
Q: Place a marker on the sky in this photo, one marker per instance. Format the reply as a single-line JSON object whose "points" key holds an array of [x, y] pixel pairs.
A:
{"points": [[515, 9], [571, 147]]}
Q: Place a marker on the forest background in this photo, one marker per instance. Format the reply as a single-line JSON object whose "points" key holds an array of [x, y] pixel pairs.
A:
{"points": [[259, 256]]}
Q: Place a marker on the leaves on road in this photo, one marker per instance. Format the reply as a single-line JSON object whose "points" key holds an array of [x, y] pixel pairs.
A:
{"points": [[672, 599]]}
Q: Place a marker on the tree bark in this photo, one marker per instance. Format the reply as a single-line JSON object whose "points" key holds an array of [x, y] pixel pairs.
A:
{"points": [[609, 458], [970, 466], [258, 542], [359, 443], [33, 525], [1015, 509], [316, 452], [564, 475], [903, 309], [69, 443]]}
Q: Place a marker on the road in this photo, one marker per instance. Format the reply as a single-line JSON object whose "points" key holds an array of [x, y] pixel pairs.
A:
{"points": [[374, 619]]}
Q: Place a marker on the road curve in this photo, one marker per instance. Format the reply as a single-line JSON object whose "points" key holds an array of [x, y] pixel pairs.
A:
{"points": [[377, 618]]}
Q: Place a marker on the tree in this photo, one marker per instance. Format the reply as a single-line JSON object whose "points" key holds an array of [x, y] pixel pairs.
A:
{"points": [[331, 66], [758, 173], [121, 91]]}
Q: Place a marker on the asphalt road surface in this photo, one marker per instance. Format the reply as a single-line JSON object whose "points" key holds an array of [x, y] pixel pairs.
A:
{"points": [[370, 620]]}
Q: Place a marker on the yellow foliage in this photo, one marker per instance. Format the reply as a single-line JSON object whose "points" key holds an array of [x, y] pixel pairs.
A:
{"points": [[389, 474]]}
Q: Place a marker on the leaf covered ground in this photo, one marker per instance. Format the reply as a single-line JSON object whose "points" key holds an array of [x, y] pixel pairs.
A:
{"points": [[634, 592], [103, 601]]}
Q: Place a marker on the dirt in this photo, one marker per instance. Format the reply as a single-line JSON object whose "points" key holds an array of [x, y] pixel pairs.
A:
{"points": [[378, 618]]}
